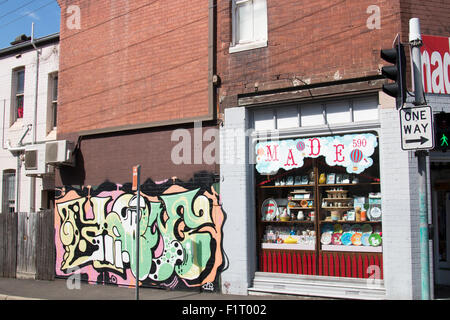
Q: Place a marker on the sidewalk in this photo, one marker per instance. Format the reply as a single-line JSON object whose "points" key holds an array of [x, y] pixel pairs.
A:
{"points": [[25, 289]]}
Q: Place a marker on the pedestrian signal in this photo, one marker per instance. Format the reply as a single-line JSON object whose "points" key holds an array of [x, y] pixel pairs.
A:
{"points": [[442, 131]]}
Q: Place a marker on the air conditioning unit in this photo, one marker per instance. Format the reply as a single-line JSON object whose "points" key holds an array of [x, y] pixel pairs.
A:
{"points": [[35, 160], [59, 152]]}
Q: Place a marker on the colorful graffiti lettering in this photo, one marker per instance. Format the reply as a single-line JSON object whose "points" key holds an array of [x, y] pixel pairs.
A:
{"points": [[180, 234]]}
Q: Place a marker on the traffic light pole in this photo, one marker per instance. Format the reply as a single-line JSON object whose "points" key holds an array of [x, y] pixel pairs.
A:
{"points": [[415, 41]]}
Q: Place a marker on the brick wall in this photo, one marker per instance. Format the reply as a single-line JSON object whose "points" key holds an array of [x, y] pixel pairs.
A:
{"points": [[314, 41], [319, 42], [132, 62], [110, 157]]}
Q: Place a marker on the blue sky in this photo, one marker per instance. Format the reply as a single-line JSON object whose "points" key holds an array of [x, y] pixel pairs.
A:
{"points": [[16, 17]]}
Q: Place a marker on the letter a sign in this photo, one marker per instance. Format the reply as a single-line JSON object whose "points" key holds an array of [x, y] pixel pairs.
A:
{"points": [[416, 125]]}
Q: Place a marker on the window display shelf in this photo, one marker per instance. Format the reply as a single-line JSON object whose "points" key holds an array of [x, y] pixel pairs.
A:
{"points": [[288, 186], [288, 246], [347, 184], [290, 221], [331, 247], [348, 221]]}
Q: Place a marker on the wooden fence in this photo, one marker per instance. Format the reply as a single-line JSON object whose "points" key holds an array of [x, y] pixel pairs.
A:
{"points": [[27, 245]]}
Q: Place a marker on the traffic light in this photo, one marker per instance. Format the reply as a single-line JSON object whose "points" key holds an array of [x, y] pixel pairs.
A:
{"points": [[442, 131], [397, 72]]}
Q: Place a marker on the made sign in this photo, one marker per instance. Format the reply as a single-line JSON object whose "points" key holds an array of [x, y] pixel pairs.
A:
{"points": [[417, 128]]}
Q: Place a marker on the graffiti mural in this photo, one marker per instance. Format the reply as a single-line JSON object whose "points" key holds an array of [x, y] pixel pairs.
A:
{"points": [[180, 234]]}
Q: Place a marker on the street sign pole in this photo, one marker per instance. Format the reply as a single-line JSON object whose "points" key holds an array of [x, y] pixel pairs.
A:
{"points": [[137, 186], [415, 41]]}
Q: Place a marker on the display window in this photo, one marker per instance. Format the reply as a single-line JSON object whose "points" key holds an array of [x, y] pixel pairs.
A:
{"points": [[319, 206]]}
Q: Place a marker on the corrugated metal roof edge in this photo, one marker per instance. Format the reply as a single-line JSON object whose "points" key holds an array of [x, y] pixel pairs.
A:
{"points": [[26, 46]]}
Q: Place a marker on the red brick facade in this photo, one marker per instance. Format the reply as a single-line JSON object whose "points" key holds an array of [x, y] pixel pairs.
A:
{"points": [[132, 63], [319, 42], [312, 41]]}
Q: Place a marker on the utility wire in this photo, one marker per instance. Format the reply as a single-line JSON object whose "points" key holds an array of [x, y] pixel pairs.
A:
{"points": [[27, 14], [12, 11]]}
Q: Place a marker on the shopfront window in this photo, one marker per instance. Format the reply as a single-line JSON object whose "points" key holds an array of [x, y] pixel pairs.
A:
{"points": [[319, 205]]}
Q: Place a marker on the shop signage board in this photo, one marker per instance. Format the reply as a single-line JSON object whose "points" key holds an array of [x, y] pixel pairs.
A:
{"points": [[352, 151], [416, 125], [435, 64]]}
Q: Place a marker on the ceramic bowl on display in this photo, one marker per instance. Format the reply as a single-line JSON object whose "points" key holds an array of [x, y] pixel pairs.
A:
{"points": [[327, 227], [356, 228], [356, 239], [291, 204], [346, 238], [326, 238], [290, 181], [269, 209], [366, 228], [375, 240], [290, 240], [346, 228], [365, 239], [338, 228]]}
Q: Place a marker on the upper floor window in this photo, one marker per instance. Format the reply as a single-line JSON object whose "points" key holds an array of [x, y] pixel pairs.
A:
{"points": [[53, 100], [18, 94], [249, 25]]}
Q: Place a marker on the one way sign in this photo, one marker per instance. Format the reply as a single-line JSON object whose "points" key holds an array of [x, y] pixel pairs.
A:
{"points": [[417, 128]]}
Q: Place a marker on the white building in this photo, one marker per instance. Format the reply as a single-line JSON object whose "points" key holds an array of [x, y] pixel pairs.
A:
{"points": [[28, 102]]}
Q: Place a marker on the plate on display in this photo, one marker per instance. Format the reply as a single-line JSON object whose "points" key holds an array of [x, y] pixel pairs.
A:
{"points": [[367, 228], [356, 239], [336, 238], [346, 228], [374, 214], [346, 238], [356, 228], [365, 239], [338, 228], [269, 209], [375, 240], [326, 238], [327, 227]]}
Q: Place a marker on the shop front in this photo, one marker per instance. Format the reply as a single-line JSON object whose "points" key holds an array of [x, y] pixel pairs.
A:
{"points": [[323, 201], [318, 206]]}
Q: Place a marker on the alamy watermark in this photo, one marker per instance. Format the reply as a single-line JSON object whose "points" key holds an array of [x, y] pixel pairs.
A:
{"points": [[374, 20], [73, 20], [225, 146], [74, 280]]}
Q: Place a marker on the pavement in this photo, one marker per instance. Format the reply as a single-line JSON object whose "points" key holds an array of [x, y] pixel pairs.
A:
{"points": [[61, 289]]}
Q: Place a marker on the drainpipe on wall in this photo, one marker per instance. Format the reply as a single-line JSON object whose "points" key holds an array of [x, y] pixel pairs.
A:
{"points": [[34, 132], [17, 151]]}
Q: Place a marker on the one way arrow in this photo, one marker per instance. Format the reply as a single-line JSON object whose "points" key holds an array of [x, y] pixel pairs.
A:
{"points": [[422, 140]]}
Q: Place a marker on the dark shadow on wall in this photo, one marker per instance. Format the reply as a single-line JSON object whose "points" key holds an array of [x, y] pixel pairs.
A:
{"points": [[76, 175]]}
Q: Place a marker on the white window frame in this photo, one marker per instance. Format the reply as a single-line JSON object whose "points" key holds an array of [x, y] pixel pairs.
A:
{"points": [[248, 44], [16, 95], [52, 102]]}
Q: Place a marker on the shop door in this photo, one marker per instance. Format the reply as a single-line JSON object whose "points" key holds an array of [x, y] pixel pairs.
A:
{"points": [[440, 196], [441, 218]]}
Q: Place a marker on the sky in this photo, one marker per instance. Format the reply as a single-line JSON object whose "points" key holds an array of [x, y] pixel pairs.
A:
{"points": [[16, 17]]}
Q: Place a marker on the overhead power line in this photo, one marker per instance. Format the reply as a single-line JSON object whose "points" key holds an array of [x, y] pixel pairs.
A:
{"points": [[17, 9], [27, 14]]}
